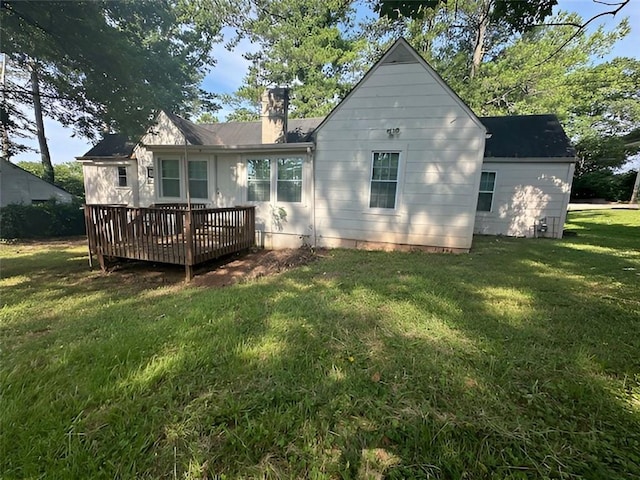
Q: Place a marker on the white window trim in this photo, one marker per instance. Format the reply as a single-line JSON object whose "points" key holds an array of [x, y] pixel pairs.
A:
{"points": [[127, 179], [158, 168], [246, 179], [493, 192], [183, 179], [273, 175], [208, 179], [399, 180]]}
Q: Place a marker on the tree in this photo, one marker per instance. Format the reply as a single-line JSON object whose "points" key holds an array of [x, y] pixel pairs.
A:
{"points": [[207, 117], [521, 79], [519, 15], [37, 113], [14, 124], [301, 44], [103, 65]]}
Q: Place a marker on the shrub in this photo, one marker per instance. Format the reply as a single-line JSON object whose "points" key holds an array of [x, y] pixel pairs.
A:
{"points": [[604, 184], [48, 219]]}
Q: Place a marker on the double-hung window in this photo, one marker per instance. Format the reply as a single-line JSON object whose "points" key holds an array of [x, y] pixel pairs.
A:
{"points": [[289, 186], [122, 176], [172, 181], [259, 180], [274, 180], [198, 182], [485, 194], [384, 180], [170, 178]]}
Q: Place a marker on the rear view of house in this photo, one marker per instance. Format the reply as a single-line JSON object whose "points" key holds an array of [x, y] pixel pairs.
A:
{"points": [[401, 162]]}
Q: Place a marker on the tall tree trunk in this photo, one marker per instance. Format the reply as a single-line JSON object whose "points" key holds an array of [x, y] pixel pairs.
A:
{"points": [[37, 111], [636, 187], [5, 145], [480, 37]]}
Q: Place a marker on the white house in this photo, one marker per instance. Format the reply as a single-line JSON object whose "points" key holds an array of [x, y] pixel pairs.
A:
{"points": [[22, 187], [400, 162]]}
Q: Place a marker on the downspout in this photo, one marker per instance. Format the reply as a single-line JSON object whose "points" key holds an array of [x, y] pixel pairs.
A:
{"points": [[311, 157], [215, 179]]}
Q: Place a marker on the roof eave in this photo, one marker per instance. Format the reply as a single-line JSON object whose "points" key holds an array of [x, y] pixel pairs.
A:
{"points": [[111, 158], [529, 159], [261, 147]]}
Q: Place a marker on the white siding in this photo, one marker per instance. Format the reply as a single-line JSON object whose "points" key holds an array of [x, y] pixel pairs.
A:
{"points": [[18, 186], [100, 176], [440, 147], [101, 183], [281, 224], [525, 192], [164, 132], [229, 184]]}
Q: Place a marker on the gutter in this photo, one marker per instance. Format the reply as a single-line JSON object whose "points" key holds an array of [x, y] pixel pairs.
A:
{"points": [[261, 147], [104, 160]]}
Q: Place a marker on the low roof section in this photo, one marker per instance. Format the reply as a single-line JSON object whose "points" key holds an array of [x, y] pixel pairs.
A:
{"points": [[527, 136], [113, 145]]}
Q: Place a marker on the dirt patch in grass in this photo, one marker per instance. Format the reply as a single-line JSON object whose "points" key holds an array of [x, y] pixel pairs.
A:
{"points": [[220, 273], [262, 263]]}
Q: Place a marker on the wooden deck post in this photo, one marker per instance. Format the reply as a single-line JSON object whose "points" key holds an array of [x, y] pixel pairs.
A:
{"points": [[188, 263], [88, 230]]}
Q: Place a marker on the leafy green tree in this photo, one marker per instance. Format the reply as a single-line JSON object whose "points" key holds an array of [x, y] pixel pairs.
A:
{"points": [[602, 153], [519, 15], [525, 77], [301, 44], [103, 65], [207, 117], [15, 125], [70, 177]]}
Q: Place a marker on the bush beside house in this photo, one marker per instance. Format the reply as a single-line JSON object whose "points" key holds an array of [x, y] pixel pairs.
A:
{"points": [[47, 219]]}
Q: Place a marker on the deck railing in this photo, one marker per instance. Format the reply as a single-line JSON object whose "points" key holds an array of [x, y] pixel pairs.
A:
{"points": [[168, 234]]}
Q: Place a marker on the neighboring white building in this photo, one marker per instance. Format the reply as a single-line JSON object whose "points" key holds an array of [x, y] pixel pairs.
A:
{"points": [[22, 187], [400, 162]]}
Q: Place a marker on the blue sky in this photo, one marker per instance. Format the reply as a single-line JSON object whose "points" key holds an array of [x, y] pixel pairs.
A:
{"points": [[231, 67]]}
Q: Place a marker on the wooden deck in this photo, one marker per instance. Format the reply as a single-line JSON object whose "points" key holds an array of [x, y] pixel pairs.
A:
{"points": [[168, 233]]}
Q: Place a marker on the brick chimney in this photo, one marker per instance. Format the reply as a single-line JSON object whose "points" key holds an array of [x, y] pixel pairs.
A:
{"points": [[275, 106]]}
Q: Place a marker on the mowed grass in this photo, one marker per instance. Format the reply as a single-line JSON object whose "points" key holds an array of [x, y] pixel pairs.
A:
{"points": [[519, 360]]}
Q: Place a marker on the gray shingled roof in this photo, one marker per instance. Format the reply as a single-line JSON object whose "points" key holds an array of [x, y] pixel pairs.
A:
{"points": [[112, 145], [525, 136], [240, 133]]}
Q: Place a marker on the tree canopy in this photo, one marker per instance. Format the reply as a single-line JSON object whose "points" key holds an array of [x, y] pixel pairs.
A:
{"points": [[518, 15], [303, 44], [107, 65]]}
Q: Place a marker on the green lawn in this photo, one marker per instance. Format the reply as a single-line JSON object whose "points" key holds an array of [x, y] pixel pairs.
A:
{"points": [[519, 360]]}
